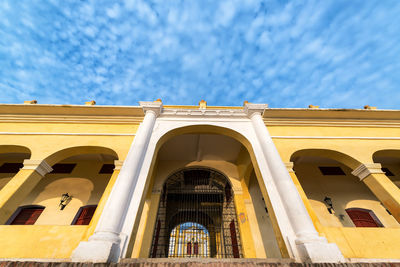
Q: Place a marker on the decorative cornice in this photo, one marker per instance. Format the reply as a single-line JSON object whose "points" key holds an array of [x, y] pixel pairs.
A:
{"points": [[152, 106], [118, 164], [203, 113], [40, 166], [327, 122], [364, 170], [68, 118], [250, 108], [289, 166]]}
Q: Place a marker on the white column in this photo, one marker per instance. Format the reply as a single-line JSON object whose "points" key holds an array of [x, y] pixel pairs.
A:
{"points": [[104, 244], [309, 244]]}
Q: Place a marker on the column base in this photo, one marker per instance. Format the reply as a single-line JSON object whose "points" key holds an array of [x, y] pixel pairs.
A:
{"points": [[96, 251], [319, 251]]}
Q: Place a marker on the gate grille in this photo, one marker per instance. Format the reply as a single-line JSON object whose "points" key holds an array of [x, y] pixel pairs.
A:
{"points": [[196, 217]]}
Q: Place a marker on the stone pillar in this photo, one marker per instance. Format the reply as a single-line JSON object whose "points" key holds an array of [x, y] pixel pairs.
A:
{"points": [[381, 186], [104, 244], [20, 186], [310, 246]]}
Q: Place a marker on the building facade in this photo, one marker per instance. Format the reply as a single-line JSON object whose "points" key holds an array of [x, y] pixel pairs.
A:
{"points": [[105, 183]]}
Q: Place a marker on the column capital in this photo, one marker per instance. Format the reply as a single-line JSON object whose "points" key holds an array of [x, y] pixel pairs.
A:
{"points": [[118, 164], [40, 166], [366, 169], [152, 106], [289, 166], [250, 108]]}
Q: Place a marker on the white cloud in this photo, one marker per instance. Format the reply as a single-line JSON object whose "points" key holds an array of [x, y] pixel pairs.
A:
{"points": [[292, 54]]}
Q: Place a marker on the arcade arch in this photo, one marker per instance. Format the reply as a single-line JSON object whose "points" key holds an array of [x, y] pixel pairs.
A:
{"points": [[82, 172], [211, 150], [326, 176]]}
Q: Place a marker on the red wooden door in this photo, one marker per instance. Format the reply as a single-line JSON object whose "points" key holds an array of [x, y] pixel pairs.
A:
{"points": [[363, 217], [27, 216], [85, 215]]}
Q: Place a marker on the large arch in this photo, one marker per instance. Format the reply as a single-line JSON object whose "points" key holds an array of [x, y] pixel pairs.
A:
{"points": [[324, 174], [163, 135], [343, 158], [78, 150]]}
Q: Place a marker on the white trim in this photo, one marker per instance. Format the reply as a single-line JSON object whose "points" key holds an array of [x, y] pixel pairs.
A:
{"points": [[40, 166], [364, 170], [203, 113], [78, 134], [336, 137]]}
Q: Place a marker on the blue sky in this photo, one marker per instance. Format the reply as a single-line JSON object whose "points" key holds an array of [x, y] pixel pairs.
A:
{"points": [[336, 54]]}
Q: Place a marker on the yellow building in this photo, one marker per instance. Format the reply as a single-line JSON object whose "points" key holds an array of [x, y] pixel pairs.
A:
{"points": [[87, 183]]}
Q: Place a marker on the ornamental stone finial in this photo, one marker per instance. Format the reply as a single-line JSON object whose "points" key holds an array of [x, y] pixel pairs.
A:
{"points": [[90, 103], [202, 104], [30, 102], [369, 107]]}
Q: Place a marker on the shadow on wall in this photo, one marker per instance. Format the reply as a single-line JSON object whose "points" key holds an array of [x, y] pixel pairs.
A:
{"points": [[82, 176], [390, 161], [11, 160]]}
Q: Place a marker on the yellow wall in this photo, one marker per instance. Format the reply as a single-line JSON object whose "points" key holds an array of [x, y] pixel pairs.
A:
{"points": [[39, 241], [52, 236], [264, 224], [375, 243]]}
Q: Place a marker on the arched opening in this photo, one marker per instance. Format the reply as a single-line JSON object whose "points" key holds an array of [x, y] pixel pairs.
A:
{"points": [[81, 173], [196, 213], [224, 151], [332, 189], [390, 161], [189, 239], [11, 161]]}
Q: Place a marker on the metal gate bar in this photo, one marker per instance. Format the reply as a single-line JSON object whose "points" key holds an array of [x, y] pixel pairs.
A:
{"points": [[196, 217]]}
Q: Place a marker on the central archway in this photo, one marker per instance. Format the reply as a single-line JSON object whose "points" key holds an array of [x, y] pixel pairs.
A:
{"points": [[196, 217]]}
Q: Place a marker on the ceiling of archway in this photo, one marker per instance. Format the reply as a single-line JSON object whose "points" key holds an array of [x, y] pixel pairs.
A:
{"points": [[198, 147]]}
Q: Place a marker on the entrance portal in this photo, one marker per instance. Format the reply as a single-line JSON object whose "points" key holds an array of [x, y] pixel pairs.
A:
{"points": [[196, 217]]}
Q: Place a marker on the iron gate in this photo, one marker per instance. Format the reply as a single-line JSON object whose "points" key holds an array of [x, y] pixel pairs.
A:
{"points": [[196, 217]]}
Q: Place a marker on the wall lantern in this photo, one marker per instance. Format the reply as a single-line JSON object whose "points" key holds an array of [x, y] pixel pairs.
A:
{"points": [[328, 202], [65, 199]]}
